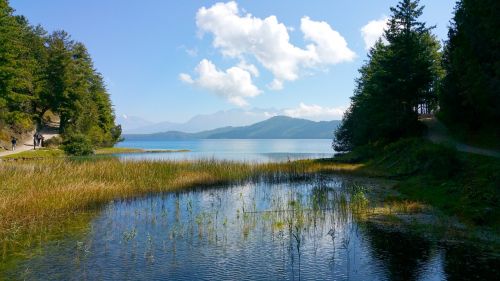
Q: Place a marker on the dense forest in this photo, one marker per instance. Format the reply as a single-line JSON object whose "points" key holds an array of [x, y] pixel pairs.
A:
{"points": [[470, 92], [408, 74], [50, 77]]}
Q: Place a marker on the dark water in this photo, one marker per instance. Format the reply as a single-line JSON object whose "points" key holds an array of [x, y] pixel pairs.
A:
{"points": [[234, 149], [254, 231]]}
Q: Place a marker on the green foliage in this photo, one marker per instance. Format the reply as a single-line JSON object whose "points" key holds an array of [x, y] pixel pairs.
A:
{"points": [[458, 183], [40, 73], [396, 83], [470, 92], [416, 156], [53, 142], [78, 145]]}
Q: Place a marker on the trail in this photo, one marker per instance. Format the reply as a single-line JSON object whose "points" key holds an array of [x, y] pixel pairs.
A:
{"points": [[48, 132], [438, 133]]}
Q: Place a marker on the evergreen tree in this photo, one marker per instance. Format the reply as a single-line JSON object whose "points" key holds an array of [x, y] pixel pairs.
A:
{"points": [[16, 71], [40, 73], [397, 82], [470, 93]]}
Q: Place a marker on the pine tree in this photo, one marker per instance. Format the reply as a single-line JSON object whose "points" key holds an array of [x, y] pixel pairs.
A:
{"points": [[396, 81], [470, 93], [39, 73]]}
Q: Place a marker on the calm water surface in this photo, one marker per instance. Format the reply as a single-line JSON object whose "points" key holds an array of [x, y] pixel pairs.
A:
{"points": [[239, 150], [251, 231]]}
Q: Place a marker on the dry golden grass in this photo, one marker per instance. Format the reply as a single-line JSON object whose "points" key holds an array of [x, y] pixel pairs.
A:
{"points": [[35, 194]]}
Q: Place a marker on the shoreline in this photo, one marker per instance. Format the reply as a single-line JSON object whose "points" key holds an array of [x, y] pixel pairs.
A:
{"points": [[69, 189]]}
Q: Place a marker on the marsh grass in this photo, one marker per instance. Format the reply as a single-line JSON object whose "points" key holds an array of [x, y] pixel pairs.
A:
{"points": [[36, 195]]}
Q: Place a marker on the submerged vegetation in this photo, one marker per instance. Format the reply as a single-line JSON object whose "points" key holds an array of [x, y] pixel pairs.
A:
{"points": [[51, 74], [36, 194]]}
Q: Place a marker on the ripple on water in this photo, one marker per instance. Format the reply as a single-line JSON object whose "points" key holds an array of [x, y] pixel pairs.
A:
{"points": [[254, 231]]}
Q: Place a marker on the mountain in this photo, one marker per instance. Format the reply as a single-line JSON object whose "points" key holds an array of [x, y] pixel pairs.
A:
{"points": [[129, 123], [279, 127], [223, 118]]}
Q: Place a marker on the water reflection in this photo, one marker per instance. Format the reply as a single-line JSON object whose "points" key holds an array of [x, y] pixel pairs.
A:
{"points": [[250, 150], [254, 231]]}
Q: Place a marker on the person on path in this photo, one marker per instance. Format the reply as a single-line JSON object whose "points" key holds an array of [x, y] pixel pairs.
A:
{"points": [[35, 140], [13, 141], [39, 139]]}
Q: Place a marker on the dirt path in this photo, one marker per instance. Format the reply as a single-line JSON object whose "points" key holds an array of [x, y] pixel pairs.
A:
{"points": [[27, 144], [438, 133]]}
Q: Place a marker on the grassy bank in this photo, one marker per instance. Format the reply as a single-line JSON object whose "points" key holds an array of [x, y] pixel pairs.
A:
{"points": [[459, 184], [35, 154]]}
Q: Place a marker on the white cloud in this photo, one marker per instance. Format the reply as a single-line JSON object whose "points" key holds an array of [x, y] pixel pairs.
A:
{"points": [[249, 67], [186, 78], [373, 30], [315, 112], [267, 40], [330, 46], [234, 84]]}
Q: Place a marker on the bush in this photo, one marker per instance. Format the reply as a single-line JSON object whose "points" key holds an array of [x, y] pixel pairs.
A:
{"points": [[53, 142], [440, 161], [78, 145]]}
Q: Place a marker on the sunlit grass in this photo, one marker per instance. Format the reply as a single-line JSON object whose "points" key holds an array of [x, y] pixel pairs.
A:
{"points": [[36, 194], [35, 154]]}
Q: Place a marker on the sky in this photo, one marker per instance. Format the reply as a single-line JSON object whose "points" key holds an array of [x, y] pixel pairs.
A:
{"points": [[172, 60]]}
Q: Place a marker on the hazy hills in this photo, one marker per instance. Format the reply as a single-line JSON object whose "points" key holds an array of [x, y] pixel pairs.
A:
{"points": [[198, 123], [279, 127]]}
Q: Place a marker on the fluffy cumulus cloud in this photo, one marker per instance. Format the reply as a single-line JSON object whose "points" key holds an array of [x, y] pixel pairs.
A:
{"points": [[267, 40], [373, 30], [315, 112], [234, 84]]}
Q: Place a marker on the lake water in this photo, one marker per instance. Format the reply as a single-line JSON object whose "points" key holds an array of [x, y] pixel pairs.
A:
{"points": [[238, 150], [251, 231]]}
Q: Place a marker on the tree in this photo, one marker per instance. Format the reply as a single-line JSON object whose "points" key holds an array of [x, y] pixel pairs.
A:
{"points": [[16, 71], [396, 81], [470, 92], [39, 73]]}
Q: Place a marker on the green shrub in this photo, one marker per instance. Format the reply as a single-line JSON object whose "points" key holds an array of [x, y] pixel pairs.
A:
{"points": [[439, 161], [78, 145], [53, 142]]}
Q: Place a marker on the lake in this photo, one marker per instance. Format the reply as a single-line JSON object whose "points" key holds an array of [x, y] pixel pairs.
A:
{"points": [[305, 230], [234, 149]]}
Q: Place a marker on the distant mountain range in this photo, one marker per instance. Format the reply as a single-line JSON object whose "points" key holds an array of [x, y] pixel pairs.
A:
{"points": [[202, 122], [278, 127]]}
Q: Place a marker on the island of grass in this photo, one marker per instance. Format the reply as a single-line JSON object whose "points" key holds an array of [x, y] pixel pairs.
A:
{"points": [[123, 150], [43, 153]]}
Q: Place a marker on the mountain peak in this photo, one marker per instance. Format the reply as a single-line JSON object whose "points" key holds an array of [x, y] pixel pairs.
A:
{"points": [[277, 127]]}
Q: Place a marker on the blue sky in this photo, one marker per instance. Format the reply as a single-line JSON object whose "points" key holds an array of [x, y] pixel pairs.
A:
{"points": [[142, 47]]}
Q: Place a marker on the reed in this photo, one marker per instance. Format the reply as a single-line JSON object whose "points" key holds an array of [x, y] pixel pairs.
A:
{"points": [[37, 194]]}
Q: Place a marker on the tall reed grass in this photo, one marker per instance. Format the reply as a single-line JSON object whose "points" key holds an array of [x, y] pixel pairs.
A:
{"points": [[37, 194]]}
